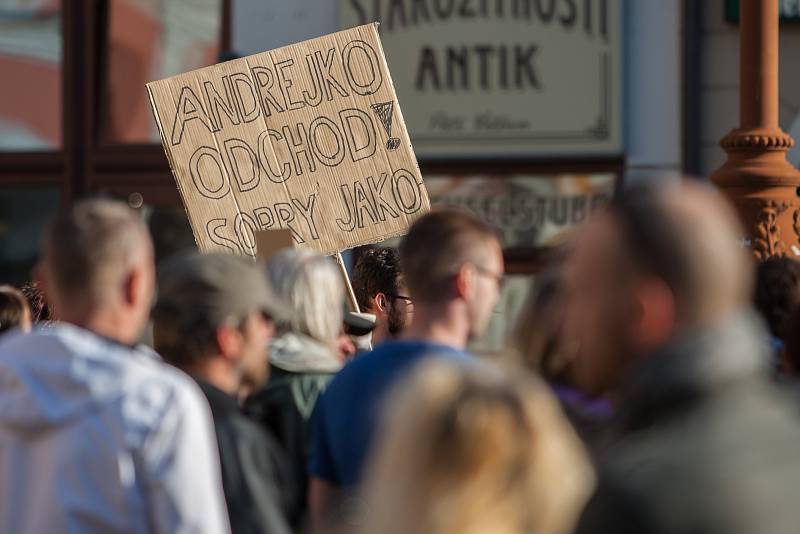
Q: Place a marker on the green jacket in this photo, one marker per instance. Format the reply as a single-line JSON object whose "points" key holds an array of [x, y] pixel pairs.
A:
{"points": [[300, 370]]}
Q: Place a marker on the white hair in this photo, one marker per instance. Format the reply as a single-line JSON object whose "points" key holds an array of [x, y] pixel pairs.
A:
{"points": [[310, 293]]}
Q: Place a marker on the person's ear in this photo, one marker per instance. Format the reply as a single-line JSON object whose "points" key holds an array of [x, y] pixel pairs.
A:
{"points": [[135, 288], [130, 288], [464, 280], [229, 341], [657, 314], [381, 302]]}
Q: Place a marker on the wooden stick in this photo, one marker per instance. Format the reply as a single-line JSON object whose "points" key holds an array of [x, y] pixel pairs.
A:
{"points": [[351, 296]]}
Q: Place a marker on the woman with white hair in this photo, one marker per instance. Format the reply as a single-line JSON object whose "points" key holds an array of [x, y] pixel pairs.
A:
{"points": [[303, 355]]}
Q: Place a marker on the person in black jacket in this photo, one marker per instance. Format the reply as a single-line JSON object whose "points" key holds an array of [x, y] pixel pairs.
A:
{"points": [[213, 320], [658, 302], [303, 356]]}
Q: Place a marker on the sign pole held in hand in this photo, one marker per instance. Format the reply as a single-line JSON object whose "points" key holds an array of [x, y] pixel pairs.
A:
{"points": [[351, 296]]}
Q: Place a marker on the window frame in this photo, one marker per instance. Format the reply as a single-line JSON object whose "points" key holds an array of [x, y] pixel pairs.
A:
{"points": [[85, 165]]}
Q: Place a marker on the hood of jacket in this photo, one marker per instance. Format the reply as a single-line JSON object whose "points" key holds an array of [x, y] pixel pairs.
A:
{"points": [[60, 373], [298, 353]]}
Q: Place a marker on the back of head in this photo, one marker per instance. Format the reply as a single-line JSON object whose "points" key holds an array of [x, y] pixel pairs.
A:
{"points": [[89, 250], [310, 291], [436, 246], [777, 294], [465, 449], [377, 271], [687, 235], [14, 310]]}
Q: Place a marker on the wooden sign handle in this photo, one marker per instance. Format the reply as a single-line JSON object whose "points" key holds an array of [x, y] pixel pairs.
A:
{"points": [[351, 296]]}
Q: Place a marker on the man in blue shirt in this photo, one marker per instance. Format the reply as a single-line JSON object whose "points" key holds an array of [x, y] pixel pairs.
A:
{"points": [[453, 268]]}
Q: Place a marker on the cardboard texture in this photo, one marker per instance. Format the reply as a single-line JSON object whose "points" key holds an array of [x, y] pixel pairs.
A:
{"points": [[270, 242], [307, 137]]}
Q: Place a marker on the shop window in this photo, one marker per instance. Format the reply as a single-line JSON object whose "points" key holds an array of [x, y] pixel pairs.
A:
{"points": [[24, 213], [30, 63], [150, 40]]}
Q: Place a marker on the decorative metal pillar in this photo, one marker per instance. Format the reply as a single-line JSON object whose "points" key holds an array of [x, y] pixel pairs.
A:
{"points": [[757, 177]]}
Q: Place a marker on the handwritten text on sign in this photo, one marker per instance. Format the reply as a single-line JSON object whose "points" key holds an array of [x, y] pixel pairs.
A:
{"points": [[307, 137]]}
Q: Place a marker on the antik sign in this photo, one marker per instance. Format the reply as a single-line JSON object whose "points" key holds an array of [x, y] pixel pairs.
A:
{"points": [[498, 77]]}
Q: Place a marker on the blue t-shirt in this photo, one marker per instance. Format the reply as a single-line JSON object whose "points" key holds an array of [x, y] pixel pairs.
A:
{"points": [[346, 414]]}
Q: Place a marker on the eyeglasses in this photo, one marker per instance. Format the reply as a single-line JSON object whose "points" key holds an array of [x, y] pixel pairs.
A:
{"points": [[499, 278]]}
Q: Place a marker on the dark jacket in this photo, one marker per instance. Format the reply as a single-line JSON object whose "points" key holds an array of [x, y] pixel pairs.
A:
{"points": [[708, 444], [591, 418], [300, 370], [255, 475]]}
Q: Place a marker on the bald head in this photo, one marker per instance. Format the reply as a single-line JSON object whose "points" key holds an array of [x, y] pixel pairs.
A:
{"points": [[97, 254], [686, 234]]}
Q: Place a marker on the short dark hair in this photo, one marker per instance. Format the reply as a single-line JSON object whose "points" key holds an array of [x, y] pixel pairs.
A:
{"points": [[377, 271], [13, 307], [41, 310], [436, 246], [777, 293]]}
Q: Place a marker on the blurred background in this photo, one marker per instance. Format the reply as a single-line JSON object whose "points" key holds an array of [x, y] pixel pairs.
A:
{"points": [[525, 112]]}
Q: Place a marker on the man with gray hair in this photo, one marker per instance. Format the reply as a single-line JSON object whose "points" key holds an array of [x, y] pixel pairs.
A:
{"points": [[97, 435]]}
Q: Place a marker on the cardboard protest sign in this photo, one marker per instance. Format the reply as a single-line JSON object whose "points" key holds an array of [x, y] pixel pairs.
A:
{"points": [[308, 137]]}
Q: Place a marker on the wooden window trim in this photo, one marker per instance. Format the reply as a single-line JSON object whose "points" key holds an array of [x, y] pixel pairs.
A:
{"points": [[85, 165]]}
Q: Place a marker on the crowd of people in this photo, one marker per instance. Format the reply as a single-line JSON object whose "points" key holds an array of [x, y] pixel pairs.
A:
{"points": [[647, 387]]}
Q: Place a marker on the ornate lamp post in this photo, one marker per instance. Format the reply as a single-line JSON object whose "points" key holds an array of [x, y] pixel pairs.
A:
{"points": [[757, 177]]}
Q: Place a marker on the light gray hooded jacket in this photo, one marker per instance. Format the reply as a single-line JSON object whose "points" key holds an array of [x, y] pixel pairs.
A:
{"points": [[96, 437]]}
